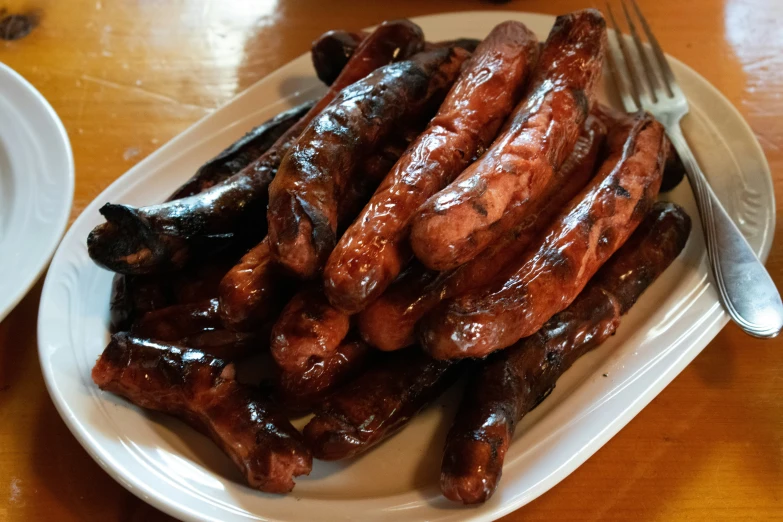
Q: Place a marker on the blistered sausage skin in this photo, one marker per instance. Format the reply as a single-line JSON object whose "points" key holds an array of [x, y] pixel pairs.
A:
{"points": [[376, 404], [304, 197], [201, 390], [514, 381], [161, 238], [308, 329], [589, 230], [372, 252], [454, 225], [298, 391], [388, 323]]}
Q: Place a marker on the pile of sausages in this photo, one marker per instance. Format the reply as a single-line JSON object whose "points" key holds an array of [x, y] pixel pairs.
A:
{"points": [[461, 209]]}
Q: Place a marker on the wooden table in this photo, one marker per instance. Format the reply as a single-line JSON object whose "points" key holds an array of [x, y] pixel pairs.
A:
{"points": [[125, 76]]}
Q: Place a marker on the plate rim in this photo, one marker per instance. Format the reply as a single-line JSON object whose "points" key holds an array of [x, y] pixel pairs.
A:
{"points": [[162, 502], [61, 222]]}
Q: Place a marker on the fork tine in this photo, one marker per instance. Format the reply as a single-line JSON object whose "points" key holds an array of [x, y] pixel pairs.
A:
{"points": [[635, 93], [646, 65], [663, 63], [619, 79]]}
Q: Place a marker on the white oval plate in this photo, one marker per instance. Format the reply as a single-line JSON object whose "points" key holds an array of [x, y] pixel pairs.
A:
{"points": [[36, 185], [184, 474]]}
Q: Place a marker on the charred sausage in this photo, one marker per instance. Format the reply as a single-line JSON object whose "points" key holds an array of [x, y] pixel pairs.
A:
{"points": [[309, 329], [514, 381], [588, 231], [240, 153], [458, 222], [388, 323], [331, 51], [305, 195], [376, 404], [201, 390], [299, 391], [372, 252], [178, 321], [252, 291], [162, 238]]}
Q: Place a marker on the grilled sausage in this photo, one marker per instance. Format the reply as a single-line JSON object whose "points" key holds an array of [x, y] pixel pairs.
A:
{"points": [[201, 390], [454, 225], [589, 230], [299, 391], [388, 323], [178, 321], [331, 51], [252, 291], [133, 296], [309, 329], [240, 153], [372, 252], [305, 195], [255, 288], [514, 381], [376, 404], [164, 237]]}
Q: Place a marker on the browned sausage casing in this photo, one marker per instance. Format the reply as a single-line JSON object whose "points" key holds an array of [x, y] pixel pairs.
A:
{"points": [[331, 51], [252, 290], [372, 251], [388, 323], [590, 229], [513, 382], [308, 329], [299, 391], [458, 222], [305, 195], [176, 322], [202, 391], [376, 404], [198, 326], [240, 153], [164, 237]]}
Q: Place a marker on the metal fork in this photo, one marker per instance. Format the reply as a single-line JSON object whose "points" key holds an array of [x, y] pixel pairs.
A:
{"points": [[745, 287]]}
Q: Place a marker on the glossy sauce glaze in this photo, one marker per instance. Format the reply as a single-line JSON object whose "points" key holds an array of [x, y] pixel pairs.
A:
{"points": [[300, 390], [331, 51], [241, 153], [454, 225], [308, 329], [201, 390], [545, 281], [388, 323], [514, 381], [376, 404], [305, 196], [165, 237], [253, 290], [372, 252]]}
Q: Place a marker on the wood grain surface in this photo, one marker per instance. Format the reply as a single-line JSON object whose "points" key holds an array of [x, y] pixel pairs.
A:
{"points": [[126, 76]]}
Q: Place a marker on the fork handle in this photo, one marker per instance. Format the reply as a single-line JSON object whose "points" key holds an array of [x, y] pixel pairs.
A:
{"points": [[746, 289]]}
